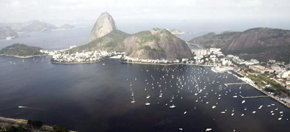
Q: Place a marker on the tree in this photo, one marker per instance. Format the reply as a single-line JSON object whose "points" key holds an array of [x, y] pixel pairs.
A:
{"points": [[57, 128], [34, 123]]}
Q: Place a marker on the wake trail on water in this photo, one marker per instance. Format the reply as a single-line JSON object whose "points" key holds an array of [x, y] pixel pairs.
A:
{"points": [[31, 108]]}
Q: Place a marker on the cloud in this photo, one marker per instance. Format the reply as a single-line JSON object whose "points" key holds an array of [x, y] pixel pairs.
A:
{"points": [[85, 11]]}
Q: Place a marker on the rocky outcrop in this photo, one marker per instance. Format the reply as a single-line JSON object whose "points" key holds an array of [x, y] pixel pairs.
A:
{"points": [[156, 44], [259, 43], [104, 25]]}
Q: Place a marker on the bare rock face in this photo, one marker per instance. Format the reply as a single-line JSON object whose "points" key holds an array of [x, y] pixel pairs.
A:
{"points": [[156, 44], [104, 25]]}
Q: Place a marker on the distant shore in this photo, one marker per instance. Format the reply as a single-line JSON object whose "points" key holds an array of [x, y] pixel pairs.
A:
{"points": [[22, 57], [197, 45]]}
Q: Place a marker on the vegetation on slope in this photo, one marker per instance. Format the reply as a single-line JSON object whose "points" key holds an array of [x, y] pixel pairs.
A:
{"points": [[260, 43], [154, 44], [20, 50], [274, 87], [109, 42]]}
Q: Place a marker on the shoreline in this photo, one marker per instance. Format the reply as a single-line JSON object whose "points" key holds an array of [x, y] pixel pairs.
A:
{"points": [[21, 57], [162, 64], [262, 91], [165, 64]]}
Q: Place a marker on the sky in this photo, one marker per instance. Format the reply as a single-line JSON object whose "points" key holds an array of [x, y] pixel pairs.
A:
{"points": [[238, 13]]}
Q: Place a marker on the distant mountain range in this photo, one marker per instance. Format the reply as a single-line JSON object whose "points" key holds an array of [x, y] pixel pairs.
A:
{"points": [[11, 29], [260, 43], [7, 33], [153, 44]]}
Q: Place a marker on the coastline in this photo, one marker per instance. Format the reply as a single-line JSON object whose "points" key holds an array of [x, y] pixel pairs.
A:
{"points": [[262, 91], [72, 63], [21, 57], [164, 64]]}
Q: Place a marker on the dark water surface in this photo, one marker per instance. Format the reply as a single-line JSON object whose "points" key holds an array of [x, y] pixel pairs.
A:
{"points": [[97, 97]]}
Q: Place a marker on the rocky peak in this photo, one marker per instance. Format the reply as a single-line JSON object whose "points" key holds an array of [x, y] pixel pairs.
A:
{"points": [[104, 25]]}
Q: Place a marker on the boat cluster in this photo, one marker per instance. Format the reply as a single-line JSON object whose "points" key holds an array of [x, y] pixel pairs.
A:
{"points": [[170, 85]]}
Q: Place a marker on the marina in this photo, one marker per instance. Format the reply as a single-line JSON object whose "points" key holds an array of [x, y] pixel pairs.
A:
{"points": [[177, 94]]}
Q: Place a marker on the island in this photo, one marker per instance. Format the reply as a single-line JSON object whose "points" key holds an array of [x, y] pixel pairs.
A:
{"points": [[21, 51]]}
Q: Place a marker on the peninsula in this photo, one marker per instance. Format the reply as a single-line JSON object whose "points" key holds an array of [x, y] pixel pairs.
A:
{"points": [[156, 45]]}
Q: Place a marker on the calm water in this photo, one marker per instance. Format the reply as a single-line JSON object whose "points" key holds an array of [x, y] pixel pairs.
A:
{"points": [[97, 97], [58, 39]]}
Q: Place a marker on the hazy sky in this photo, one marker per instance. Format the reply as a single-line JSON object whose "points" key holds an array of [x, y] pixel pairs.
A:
{"points": [[143, 11]]}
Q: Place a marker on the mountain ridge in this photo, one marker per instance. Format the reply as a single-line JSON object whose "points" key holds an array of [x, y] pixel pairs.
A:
{"points": [[259, 43], [154, 44]]}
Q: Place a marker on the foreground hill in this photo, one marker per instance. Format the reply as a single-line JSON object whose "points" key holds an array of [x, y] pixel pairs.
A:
{"points": [[20, 125], [259, 43], [154, 44], [20, 50]]}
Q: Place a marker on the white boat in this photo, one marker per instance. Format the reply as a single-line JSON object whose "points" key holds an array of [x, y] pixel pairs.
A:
{"points": [[223, 112], [213, 106], [22, 107], [208, 129], [172, 106], [133, 101], [279, 118], [160, 96], [184, 112], [254, 112], [147, 103], [260, 107], [235, 96], [242, 114], [243, 101]]}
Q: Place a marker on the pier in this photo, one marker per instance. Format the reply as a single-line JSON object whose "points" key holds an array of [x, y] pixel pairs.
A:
{"points": [[253, 97], [228, 84]]}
